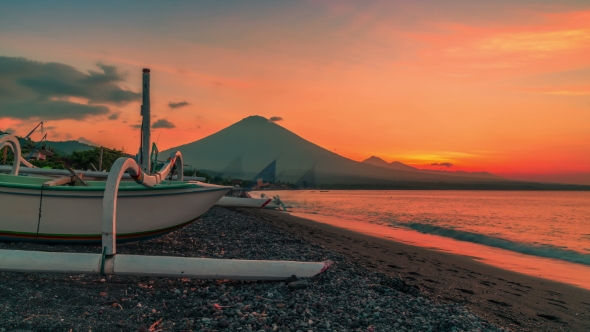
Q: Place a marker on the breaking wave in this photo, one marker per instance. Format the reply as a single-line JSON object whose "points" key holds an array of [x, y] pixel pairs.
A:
{"points": [[541, 251]]}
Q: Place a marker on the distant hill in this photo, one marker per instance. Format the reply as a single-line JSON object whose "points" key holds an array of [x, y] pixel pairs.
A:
{"points": [[400, 166], [61, 147], [463, 173], [67, 147], [393, 165], [250, 145]]}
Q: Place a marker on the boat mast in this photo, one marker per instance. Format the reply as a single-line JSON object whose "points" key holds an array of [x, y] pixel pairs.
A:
{"points": [[145, 124]]}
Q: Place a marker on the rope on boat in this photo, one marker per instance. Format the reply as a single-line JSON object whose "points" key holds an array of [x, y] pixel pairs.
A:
{"points": [[39, 220]]}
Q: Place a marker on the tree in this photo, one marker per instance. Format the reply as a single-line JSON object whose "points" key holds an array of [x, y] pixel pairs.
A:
{"points": [[190, 172], [83, 159]]}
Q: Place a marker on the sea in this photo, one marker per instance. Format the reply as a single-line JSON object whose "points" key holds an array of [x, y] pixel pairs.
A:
{"points": [[544, 234]]}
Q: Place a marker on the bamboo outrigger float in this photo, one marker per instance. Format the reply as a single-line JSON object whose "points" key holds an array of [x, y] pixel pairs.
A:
{"points": [[109, 262]]}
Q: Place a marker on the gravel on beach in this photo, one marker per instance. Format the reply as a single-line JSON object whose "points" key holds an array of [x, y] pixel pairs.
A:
{"points": [[347, 297]]}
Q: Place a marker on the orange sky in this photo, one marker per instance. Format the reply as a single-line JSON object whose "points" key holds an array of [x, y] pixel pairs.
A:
{"points": [[490, 86]]}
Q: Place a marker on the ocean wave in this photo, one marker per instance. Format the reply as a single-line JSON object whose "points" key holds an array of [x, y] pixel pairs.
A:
{"points": [[540, 251]]}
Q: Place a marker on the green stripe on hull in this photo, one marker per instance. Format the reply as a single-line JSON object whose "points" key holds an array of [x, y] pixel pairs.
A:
{"points": [[26, 182]]}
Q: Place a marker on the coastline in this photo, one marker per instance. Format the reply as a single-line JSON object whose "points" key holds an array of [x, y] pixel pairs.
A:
{"points": [[503, 297]]}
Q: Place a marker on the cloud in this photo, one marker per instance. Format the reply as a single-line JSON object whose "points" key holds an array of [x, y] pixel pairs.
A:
{"points": [[275, 119], [442, 164], [49, 110], [114, 116], [9, 130], [85, 141], [55, 91], [178, 105], [163, 123], [538, 41], [568, 93], [136, 126]]}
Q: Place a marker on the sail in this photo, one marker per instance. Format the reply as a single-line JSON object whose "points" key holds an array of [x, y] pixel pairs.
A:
{"points": [[308, 179], [235, 168], [268, 174]]}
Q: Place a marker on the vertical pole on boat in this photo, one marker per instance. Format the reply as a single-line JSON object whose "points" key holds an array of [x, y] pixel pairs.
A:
{"points": [[100, 160], [145, 125]]}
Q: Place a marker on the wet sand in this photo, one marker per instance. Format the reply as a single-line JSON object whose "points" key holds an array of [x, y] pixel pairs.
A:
{"points": [[505, 298]]}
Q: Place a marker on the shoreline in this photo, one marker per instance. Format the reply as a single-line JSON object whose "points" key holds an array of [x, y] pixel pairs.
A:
{"points": [[503, 297]]}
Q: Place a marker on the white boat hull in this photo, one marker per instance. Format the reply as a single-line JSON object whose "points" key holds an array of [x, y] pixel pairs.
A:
{"points": [[245, 202], [73, 214]]}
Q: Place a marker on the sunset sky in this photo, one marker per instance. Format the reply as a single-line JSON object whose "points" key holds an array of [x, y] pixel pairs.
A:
{"points": [[501, 86]]}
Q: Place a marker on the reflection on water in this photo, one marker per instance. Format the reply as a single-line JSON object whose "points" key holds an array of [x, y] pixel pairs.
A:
{"points": [[543, 234]]}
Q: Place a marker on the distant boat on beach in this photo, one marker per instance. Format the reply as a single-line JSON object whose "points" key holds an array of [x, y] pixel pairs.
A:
{"points": [[247, 202]]}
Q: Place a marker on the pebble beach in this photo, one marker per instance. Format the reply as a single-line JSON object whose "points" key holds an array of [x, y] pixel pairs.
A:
{"points": [[346, 297]]}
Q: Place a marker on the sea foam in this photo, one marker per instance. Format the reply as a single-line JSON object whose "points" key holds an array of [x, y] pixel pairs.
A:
{"points": [[523, 248]]}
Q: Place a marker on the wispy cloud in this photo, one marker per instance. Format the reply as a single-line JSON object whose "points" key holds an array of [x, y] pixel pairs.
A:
{"points": [[538, 42], [275, 119], [568, 93], [543, 42], [556, 90], [442, 164], [178, 104], [163, 123]]}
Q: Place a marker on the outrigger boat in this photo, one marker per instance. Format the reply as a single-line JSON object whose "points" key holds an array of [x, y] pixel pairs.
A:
{"points": [[40, 209], [238, 197]]}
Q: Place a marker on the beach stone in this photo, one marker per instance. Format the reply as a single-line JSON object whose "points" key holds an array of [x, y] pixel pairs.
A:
{"points": [[301, 284], [223, 323], [38, 296], [291, 279]]}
